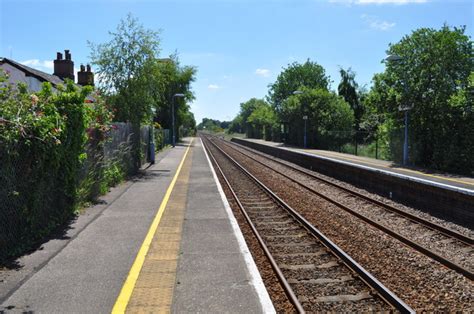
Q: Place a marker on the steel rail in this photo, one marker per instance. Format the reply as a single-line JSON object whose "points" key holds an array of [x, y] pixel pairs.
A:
{"points": [[281, 278], [433, 255], [428, 224], [388, 296]]}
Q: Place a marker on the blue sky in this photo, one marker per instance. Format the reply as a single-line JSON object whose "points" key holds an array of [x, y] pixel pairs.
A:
{"points": [[238, 46]]}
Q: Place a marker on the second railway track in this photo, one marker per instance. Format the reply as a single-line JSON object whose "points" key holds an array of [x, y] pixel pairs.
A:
{"points": [[315, 273], [438, 236]]}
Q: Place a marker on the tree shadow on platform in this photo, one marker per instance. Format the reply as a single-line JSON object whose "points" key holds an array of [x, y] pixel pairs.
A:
{"points": [[59, 233]]}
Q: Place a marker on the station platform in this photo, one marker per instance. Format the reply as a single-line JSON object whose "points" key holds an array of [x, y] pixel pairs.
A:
{"points": [[439, 179], [167, 242]]}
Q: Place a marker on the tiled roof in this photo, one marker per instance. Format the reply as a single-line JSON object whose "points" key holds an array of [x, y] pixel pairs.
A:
{"points": [[40, 75]]}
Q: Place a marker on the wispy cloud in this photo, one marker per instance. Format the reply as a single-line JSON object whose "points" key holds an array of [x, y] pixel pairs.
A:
{"points": [[376, 23], [262, 72], [378, 2], [213, 86], [45, 65]]}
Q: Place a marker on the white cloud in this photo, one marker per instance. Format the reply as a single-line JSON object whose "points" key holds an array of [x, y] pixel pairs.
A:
{"points": [[263, 72], [46, 65], [213, 86], [375, 23], [378, 2]]}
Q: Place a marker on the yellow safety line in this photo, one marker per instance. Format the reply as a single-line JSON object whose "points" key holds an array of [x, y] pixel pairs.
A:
{"points": [[127, 289], [391, 168]]}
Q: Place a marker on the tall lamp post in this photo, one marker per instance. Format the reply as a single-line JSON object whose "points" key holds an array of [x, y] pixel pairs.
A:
{"points": [[305, 118], [394, 58], [173, 135]]}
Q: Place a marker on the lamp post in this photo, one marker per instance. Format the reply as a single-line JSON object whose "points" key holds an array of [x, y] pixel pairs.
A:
{"points": [[394, 58], [173, 136], [305, 118]]}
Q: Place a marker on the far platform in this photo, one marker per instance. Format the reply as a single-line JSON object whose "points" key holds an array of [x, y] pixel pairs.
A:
{"points": [[448, 180]]}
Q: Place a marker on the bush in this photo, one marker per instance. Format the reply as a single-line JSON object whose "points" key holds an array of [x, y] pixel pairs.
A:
{"points": [[43, 138]]}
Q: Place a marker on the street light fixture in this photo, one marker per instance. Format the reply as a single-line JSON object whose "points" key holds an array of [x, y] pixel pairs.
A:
{"points": [[397, 59], [305, 118], [172, 117]]}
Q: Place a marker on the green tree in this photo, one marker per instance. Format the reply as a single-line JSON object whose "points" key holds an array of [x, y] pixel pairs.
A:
{"points": [[168, 78], [432, 77], [347, 88], [246, 110], [294, 77], [122, 65], [330, 118], [263, 120]]}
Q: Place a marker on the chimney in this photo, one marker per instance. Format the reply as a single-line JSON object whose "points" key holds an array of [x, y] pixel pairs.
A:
{"points": [[64, 68], [85, 76]]}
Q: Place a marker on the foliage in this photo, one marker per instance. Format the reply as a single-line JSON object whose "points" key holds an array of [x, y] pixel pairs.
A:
{"points": [[326, 114], [43, 137], [262, 120], [433, 77], [211, 125], [347, 88], [122, 65], [167, 78], [295, 77], [139, 84]]}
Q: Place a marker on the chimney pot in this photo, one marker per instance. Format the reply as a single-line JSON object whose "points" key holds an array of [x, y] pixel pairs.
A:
{"points": [[82, 68], [88, 68], [64, 68]]}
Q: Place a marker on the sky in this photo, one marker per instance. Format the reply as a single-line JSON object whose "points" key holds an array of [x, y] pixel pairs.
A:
{"points": [[238, 46]]}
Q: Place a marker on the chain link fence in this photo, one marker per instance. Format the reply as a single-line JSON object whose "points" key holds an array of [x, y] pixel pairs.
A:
{"points": [[28, 189]]}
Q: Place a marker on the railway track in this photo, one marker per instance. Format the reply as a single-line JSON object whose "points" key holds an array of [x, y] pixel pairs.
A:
{"points": [[439, 236], [314, 272]]}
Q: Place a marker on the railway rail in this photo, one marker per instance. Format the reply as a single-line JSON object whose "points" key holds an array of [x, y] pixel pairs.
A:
{"points": [[314, 272], [443, 236]]}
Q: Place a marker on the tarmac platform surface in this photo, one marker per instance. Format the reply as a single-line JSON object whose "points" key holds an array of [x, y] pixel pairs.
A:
{"points": [[443, 179], [167, 242]]}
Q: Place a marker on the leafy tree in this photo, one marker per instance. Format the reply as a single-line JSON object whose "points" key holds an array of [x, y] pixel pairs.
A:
{"points": [[122, 65], [236, 125], [263, 119], [432, 77], [295, 77], [210, 125], [330, 118], [139, 84], [168, 78], [347, 88]]}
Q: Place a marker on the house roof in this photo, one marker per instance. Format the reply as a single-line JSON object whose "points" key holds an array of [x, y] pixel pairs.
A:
{"points": [[40, 75]]}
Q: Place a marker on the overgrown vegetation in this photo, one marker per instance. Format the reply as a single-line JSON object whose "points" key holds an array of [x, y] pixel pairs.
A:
{"points": [[43, 138]]}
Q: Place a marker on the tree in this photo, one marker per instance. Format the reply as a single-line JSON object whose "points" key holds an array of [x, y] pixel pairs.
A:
{"points": [[295, 77], [250, 127], [122, 65], [262, 119], [330, 118], [347, 88], [168, 78], [139, 85], [434, 71]]}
